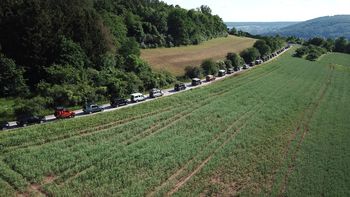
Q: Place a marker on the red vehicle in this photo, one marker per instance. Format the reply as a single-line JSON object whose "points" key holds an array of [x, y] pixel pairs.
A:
{"points": [[64, 113]]}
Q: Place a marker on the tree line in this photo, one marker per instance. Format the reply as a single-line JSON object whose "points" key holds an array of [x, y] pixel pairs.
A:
{"points": [[313, 48], [262, 48], [68, 53]]}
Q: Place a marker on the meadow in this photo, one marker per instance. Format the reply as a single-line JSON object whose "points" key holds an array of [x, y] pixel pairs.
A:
{"points": [[174, 60], [280, 129]]}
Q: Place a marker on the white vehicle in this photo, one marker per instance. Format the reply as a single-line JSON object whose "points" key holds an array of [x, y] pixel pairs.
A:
{"points": [[136, 97]]}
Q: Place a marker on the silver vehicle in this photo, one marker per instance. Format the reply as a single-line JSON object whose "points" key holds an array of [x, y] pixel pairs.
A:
{"points": [[155, 93], [137, 97]]}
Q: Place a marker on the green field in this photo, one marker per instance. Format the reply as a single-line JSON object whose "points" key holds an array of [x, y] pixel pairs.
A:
{"points": [[281, 129], [175, 59]]}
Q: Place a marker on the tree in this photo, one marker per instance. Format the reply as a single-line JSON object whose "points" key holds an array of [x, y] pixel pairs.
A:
{"points": [[340, 44], [233, 31], [235, 59], [317, 41], [192, 72], [70, 53], [312, 56], [300, 52], [228, 64], [209, 67], [31, 107], [179, 27], [250, 54], [12, 82], [130, 47], [347, 50], [263, 48]]}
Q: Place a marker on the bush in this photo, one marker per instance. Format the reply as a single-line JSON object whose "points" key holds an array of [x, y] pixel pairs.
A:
{"points": [[250, 54], [301, 51], [209, 67], [312, 56], [235, 59], [192, 72], [32, 107]]}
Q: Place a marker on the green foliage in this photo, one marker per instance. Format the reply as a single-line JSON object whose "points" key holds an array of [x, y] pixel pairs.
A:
{"points": [[70, 53], [340, 44], [209, 67], [12, 82], [262, 47], [250, 54], [31, 107], [192, 72], [130, 47], [300, 52], [312, 52], [235, 59]]}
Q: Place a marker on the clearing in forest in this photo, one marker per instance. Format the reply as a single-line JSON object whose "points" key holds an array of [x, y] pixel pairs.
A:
{"points": [[174, 60]]}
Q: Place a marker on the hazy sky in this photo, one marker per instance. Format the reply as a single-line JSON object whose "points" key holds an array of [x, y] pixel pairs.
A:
{"points": [[269, 10]]}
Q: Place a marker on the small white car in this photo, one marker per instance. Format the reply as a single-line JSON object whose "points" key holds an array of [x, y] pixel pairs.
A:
{"points": [[137, 97]]}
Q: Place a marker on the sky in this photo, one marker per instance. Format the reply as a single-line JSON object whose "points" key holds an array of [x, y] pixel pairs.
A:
{"points": [[268, 10]]}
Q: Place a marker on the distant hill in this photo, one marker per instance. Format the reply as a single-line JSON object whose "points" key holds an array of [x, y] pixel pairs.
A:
{"points": [[257, 28], [327, 27]]}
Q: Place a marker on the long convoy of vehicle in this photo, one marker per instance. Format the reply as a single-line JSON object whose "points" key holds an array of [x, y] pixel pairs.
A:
{"points": [[135, 98]]}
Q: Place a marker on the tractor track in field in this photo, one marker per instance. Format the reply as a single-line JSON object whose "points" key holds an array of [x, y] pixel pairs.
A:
{"points": [[182, 181], [304, 128]]}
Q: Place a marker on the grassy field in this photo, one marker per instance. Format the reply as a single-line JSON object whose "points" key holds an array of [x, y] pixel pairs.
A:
{"points": [[174, 60], [281, 129]]}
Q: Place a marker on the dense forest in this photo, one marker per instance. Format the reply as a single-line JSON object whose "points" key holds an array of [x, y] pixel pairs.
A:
{"points": [[69, 52]]}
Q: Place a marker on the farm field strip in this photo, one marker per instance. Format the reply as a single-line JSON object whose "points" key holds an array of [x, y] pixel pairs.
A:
{"points": [[192, 171], [301, 132], [323, 156], [245, 185], [175, 59]]}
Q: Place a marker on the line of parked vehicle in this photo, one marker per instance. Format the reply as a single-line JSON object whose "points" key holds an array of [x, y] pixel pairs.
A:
{"points": [[63, 113]]}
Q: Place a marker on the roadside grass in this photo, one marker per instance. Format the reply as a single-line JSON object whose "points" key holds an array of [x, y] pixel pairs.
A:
{"points": [[279, 129], [174, 60]]}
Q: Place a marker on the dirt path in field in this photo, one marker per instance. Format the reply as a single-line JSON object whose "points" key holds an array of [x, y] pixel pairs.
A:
{"points": [[303, 127]]}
